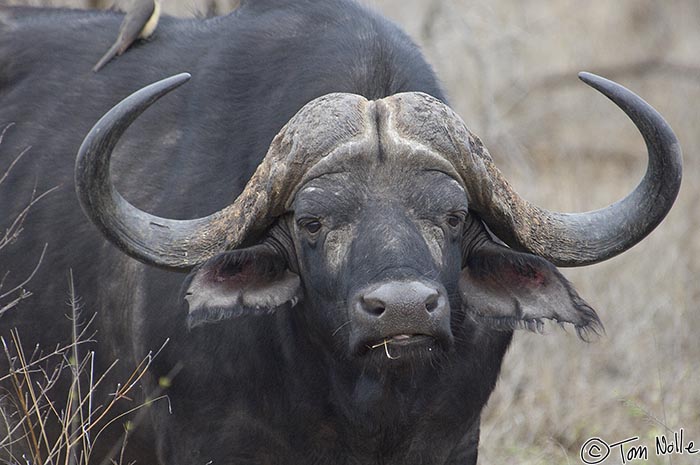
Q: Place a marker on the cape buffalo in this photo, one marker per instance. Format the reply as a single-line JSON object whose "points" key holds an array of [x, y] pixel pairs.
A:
{"points": [[348, 299]]}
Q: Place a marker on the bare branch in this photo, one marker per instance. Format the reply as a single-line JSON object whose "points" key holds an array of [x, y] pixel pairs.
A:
{"points": [[23, 293], [16, 227]]}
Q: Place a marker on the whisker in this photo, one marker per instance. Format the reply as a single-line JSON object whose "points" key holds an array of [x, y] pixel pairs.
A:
{"points": [[340, 327]]}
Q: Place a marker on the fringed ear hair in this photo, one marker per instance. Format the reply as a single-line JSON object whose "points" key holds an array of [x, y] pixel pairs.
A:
{"points": [[241, 282], [510, 290]]}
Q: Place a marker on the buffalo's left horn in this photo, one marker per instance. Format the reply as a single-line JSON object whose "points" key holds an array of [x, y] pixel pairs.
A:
{"points": [[576, 239], [182, 244]]}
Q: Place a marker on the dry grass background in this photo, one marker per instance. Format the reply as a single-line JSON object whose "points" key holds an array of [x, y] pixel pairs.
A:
{"points": [[509, 67]]}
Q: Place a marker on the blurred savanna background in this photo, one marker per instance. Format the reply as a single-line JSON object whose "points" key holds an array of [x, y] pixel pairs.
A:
{"points": [[509, 68]]}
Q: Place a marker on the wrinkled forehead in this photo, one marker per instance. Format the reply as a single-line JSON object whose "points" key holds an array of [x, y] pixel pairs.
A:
{"points": [[405, 132]]}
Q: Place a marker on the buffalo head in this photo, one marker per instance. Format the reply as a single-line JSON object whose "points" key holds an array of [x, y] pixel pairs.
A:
{"points": [[373, 214]]}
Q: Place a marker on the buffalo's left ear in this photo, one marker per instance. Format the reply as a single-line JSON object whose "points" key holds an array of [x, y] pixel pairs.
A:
{"points": [[241, 282], [506, 289]]}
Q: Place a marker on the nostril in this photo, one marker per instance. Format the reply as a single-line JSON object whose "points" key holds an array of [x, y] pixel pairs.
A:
{"points": [[373, 306], [432, 302]]}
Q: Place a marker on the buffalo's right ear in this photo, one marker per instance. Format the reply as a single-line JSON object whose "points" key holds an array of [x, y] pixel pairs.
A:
{"points": [[254, 280]]}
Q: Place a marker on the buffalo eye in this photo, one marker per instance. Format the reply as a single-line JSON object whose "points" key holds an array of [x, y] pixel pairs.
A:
{"points": [[311, 226], [455, 220]]}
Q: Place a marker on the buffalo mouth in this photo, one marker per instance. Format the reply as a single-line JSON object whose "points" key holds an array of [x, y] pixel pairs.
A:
{"points": [[402, 346], [404, 340]]}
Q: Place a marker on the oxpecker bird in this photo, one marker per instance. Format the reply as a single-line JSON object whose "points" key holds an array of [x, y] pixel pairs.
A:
{"points": [[139, 23]]}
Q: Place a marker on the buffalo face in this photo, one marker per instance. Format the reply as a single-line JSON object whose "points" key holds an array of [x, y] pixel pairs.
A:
{"points": [[379, 252]]}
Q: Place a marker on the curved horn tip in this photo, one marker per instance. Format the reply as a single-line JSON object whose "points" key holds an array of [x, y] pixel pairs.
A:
{"points": [[180, 77], [587, 77], [156, 89], [597, 82], [614, 91], [173, 82]]}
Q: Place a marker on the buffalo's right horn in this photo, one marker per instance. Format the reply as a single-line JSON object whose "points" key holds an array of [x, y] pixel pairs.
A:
{"points": [[317, 130], [153, 240]]}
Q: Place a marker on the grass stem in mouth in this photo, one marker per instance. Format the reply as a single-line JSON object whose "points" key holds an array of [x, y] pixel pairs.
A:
{"points": [[386, 349]]}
